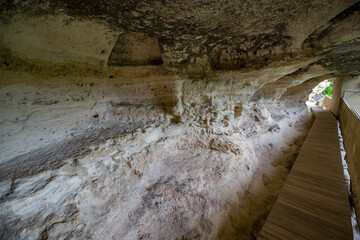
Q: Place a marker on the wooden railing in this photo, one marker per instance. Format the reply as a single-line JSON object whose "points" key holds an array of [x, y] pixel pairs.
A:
{"points": [[350, 106], [350, 128]]}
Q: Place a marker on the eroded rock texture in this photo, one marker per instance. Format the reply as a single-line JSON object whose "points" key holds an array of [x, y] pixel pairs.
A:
{"points": [[158, 119]]}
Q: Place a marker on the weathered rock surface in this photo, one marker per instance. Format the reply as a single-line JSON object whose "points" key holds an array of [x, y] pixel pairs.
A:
{"points": [[158, 119], [167, 182], [194, 36]]}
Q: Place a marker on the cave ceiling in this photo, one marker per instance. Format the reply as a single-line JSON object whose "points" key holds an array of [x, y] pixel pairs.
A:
{"points": [[220, 35]]}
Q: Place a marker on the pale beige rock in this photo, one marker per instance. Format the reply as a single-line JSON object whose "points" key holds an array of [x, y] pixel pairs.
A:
{"points": [[58, 39]]}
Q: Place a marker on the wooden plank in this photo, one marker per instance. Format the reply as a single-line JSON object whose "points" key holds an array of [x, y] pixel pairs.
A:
{"points": [[280, 233], [307, 225], [313, 203]]}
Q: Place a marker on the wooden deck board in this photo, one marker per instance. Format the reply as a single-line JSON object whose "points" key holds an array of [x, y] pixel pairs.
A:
{"points": [[314, 203]]}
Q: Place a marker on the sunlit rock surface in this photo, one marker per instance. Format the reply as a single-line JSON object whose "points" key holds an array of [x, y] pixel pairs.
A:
{"points": [[158, 120]]}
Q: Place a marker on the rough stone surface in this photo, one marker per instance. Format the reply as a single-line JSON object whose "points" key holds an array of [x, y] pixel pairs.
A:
{"points": [[135, 49], [192, 141], [194, 36], [168, 182]]}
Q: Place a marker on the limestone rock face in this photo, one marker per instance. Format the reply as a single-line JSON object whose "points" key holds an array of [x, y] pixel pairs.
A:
{"points": [[205, 179], [158, 119]]}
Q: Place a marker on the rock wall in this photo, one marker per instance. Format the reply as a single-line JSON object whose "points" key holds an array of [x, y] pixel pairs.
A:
{"points": [[156, 183], [145, 153], [39, 112]]}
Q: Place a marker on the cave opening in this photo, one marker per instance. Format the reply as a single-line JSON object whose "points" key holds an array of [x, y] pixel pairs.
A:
{"points": [[321, 94]]}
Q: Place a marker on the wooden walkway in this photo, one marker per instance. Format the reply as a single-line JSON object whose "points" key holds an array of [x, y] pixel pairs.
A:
{"points": [[314, 203]]}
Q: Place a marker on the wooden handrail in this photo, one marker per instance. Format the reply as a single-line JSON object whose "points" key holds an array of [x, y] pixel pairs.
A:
{"points": [[352, 109]]}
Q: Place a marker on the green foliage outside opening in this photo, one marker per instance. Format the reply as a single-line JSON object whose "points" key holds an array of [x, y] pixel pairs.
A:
{"points": [[328, 90]]}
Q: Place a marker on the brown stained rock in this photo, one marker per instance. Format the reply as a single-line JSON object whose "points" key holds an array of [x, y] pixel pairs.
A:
{"points": [[135, 49]]}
